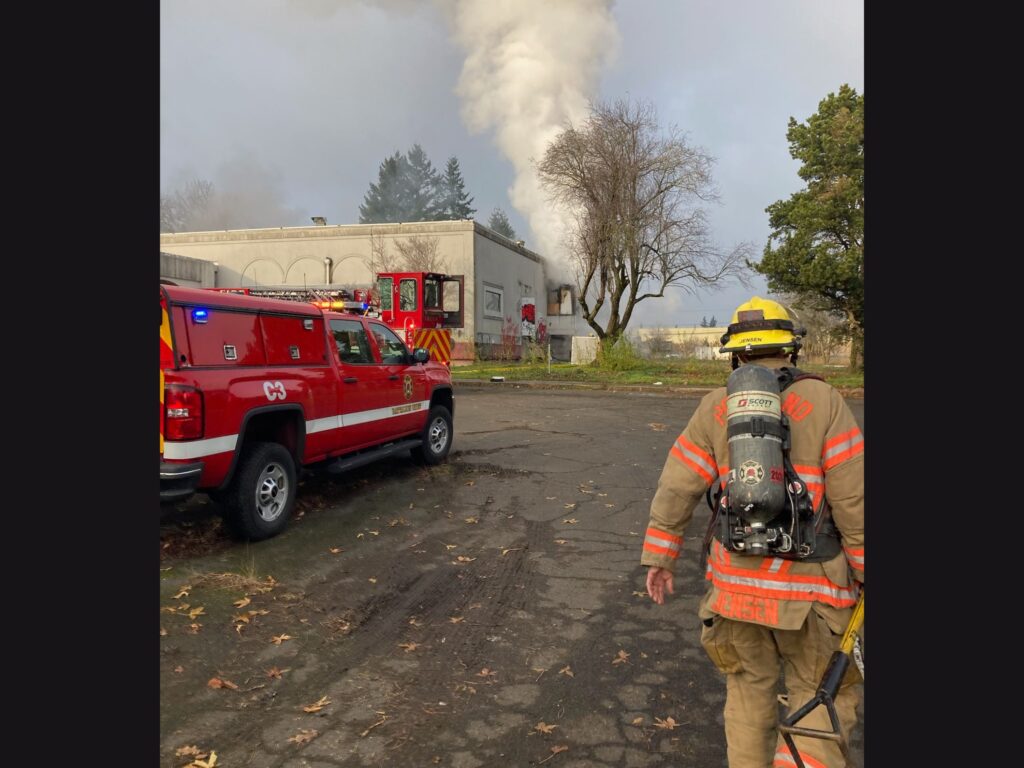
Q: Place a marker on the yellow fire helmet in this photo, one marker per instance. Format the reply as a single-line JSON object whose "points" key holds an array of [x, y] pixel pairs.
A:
{"points": [[761, 324]]}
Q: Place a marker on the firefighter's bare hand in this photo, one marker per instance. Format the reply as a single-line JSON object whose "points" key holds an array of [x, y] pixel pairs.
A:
{"points": [[659, 580]]}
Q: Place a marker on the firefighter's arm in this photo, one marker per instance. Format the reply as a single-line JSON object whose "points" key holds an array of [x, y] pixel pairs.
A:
{"points": [[843, 462], [688, 471]]}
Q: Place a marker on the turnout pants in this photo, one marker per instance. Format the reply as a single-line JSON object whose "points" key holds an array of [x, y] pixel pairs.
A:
{"points": [[751, 656]]}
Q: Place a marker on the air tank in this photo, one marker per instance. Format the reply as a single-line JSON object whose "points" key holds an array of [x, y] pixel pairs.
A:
{"points": [[754, 422]]}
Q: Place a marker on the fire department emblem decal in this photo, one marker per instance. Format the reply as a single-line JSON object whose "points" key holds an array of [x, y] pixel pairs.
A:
{"points": [[407, 387], [751, 473]]}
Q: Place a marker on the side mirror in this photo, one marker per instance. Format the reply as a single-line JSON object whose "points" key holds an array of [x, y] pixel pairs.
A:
{"points": [[421, 355]]}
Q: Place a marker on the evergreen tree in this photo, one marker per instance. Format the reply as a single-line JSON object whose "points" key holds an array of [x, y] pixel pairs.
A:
{"points": [[385, 200], [712, 322], [453, 201], [499, 223], [421, 187], [815, 251], [703, 322]]}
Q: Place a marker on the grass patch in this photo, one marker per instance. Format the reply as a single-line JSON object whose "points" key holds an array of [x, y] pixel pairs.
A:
{"points": [[626, 369]]}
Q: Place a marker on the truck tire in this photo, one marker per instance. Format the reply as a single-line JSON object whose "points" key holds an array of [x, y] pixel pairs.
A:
{"points": [[261, 496], [437, 437]]}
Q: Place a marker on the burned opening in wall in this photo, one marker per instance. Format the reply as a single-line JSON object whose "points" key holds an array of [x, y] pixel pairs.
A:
{"points": [[560, 300]]}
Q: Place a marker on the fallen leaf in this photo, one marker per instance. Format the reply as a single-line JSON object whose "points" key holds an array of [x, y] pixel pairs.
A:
{"points": [[609, 505], [472, 520], [550, 498], [485, 672], [471, 482], [318, 705], [186, 751], [335, 551], [455, 619], [239, 628], [637, 593], [196, 612], [656, 426], [543, 727], [183, 592], [571, 521], [242, 617], [602, 494], [450, 546], [643, 655], [194, 628], [179, 669], [359, 535], [216, 682], [566, 670], [621, 658], [304, 736], [162, 631], [210, 762], [561, 541], [415, 622], [242, 603], [375, 533], [668, 723], [409, 647], [372, 580], [570, 506], [463, 559], [510, 549], [259, 612], [638, 721], [278, 639], [561, 748], [275, 673]]}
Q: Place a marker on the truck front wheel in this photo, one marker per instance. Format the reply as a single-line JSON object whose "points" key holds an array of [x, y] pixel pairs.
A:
{"points": [[260, 498], [437, 437]]}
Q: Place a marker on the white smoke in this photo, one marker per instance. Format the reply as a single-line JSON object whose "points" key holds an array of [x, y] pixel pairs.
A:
{"points": [[531, 66]]}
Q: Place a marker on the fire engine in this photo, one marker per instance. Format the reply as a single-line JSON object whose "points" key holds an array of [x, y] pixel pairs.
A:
{"points": [[254, 387], [423, 306]]}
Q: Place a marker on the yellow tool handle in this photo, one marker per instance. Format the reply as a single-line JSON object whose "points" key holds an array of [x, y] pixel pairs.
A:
{"points": [[856, 620]]}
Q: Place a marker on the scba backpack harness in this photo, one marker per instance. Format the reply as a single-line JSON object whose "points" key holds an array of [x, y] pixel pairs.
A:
{"points": [[764, 507]]}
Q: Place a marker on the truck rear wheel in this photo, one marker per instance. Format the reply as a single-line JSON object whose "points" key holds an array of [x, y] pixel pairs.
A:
{"points": [[260, 498], [437, 437]]}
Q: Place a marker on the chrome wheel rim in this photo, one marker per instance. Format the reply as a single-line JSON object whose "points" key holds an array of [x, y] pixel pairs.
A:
{"points": [[271, 492]]}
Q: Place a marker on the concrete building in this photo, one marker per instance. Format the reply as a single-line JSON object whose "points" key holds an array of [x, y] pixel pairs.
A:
{"points": [[501, 276]]}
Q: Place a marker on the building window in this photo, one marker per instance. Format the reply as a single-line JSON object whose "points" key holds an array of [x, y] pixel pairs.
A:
{"points": [[493, 301]]}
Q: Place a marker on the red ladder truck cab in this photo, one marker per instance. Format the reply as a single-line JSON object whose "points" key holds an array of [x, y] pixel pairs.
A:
{"points": [[424, 306]]}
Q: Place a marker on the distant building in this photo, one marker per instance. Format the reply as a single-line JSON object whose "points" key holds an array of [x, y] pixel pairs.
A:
{"points": [[503, 278]]}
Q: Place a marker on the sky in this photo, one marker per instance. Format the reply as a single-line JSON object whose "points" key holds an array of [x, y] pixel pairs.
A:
{"points": [[289, 106]]}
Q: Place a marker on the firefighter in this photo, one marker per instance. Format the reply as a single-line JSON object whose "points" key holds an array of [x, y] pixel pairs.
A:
{"points": [[770, 612]]}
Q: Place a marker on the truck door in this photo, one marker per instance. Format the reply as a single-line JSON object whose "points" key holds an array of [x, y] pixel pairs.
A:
{"points": [[404, 390], [360, 380]]}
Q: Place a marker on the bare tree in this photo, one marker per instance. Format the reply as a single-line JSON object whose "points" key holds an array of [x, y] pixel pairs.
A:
{"points": [[188, 209], [635, 197], [380, 260], [419, 254], [826, 336]]}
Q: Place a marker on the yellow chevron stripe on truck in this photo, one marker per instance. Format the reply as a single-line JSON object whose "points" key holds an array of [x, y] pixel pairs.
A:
{"points": [[438, 341]]}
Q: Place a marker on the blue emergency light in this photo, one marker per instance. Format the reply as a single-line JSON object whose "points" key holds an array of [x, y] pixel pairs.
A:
{"points": [[200, 315]]}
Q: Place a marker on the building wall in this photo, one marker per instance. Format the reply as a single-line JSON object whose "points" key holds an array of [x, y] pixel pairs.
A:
{"points": [[181, 270]]}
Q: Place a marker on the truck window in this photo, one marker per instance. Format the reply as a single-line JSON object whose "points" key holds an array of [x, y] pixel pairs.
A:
{"points": [[431, 293], [392, 350], [385, 285], [407, 294], [351, 342]]}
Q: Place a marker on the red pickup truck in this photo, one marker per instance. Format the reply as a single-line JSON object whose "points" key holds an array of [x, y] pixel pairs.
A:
{"points": [[251, 389]]}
